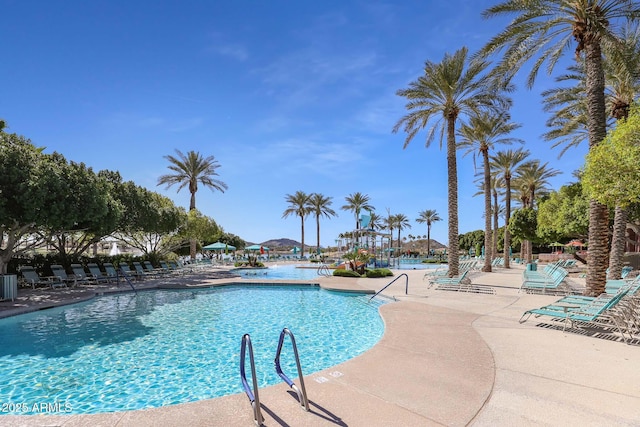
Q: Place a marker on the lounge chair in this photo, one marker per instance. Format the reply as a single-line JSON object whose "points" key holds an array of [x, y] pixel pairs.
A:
{"points": [[601, 311], [448, 280], [152, 270], [127, 272], [141, 271], [81, 276], [111, 272], [31, 277], [98, 275], [61, 273]]}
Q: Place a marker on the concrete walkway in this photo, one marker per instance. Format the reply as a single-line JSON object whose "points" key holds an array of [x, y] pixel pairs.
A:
{"points": [[446, 358]]}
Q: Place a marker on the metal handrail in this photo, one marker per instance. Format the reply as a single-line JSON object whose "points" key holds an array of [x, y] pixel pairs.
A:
{"points": [[323, 270], [406, 289], [301, 391], [126, 278], [252, 395]]}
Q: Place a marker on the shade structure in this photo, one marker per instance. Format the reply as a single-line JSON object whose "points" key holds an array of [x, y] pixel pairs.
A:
{"points": [[555, 244], [219, 246], [576, 243]]}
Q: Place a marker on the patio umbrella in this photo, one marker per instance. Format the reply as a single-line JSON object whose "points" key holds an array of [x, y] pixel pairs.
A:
{"points": [[256, 248], [556, 245], [219, 246], [576, 243]]}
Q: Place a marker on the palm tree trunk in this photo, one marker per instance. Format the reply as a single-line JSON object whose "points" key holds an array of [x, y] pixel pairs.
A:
{"points": [[494, 247], [618, 243], [452, 198], [507, 235], [428, 240], [597, 259], [318, 234], [302, 238], [487, 212]]}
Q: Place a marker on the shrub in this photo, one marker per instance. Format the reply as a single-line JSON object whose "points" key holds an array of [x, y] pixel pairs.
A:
{"points": [[345, 273], [379, 272]]}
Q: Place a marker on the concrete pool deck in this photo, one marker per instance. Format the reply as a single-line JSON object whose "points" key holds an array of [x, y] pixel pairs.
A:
{"points": [[446, 359]]}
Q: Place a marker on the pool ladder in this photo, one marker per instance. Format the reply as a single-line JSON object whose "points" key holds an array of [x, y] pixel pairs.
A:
{"points": [[253, 395], [323, 270]]}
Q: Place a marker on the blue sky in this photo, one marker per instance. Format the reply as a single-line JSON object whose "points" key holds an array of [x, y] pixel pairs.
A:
{"points": [[287, 95]]}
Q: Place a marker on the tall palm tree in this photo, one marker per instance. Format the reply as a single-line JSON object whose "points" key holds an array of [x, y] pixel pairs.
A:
{"points": [[401, 221], [356, 203], [320, 206], [483, 132], [504, 164], [546, 28], [447, 92], [191, 169], [532, 179], [299, 205], [390, 224], [569, 124], [428, 216]]}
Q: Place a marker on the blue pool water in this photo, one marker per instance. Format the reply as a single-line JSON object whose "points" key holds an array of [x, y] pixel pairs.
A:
{"points": [[162, 347], [284, 271]]}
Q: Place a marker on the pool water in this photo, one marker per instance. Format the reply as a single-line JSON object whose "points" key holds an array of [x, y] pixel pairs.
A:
{"points": [[274, 272], [163, 347]]}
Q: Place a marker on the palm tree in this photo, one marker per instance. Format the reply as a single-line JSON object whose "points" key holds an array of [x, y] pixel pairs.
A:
{"points": [[569, 121], [533, 178], [401, 222], [390, 225], [320, 205], [191, 170], [504, 164], [356, 203], [299, 205], [428, 216], [483, 132], [547, 28], [448, 91]]}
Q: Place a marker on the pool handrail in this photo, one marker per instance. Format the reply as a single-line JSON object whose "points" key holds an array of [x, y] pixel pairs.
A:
{"points": [[126, 278], [301, 391], [406, 289], [323, 270], [253, 396]]}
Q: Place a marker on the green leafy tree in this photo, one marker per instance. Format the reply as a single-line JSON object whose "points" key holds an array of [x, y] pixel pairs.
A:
{"points": [[471, 239], [611, 173], [428, 216], [190, 170], [90, 211], [155, 224], [448, 91], [483, 132], [320, 205], [299, 205], [564, 214], [25, 196], [546, 28], [523, 226]]}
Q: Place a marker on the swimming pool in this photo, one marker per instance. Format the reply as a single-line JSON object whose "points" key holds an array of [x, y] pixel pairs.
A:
{"points": [[162, 347], [283, 271]]}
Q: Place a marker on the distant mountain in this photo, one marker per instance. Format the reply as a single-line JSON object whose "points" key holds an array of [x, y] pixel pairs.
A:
{"points": [[278, 243]]}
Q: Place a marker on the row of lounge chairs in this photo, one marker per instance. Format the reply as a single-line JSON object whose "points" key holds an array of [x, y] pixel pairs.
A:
{"points": [[550, 280], [96, 276], [618, 308]]}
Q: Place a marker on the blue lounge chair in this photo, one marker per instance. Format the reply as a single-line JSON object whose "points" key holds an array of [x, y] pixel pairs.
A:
{"points": [[81, 276], [31, 277], [61, 273], [98, 275]]}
